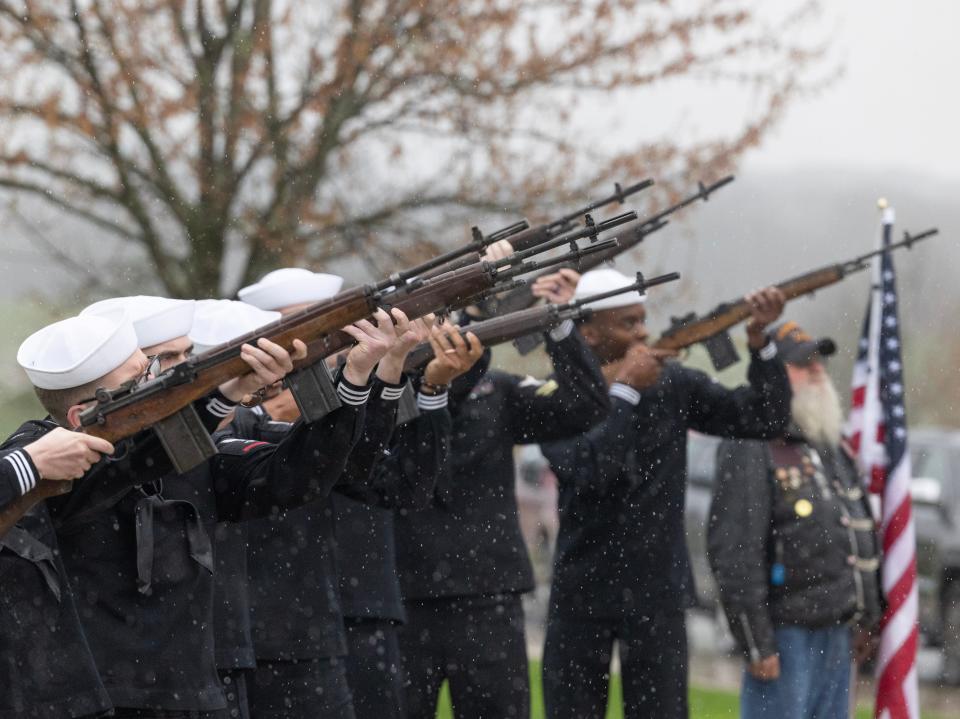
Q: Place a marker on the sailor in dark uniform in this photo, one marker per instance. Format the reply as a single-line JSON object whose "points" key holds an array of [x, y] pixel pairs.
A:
{"points": [[462, 560], [298, 630], [46, 668], [621, 570], [366, 553], [216, 322], [140, 558]]}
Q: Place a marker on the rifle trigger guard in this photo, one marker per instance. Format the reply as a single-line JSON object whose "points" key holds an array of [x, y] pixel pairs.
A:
{"points": [[123, 448]]}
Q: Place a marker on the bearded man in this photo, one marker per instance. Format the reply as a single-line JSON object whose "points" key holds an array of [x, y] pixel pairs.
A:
{"points": [[793, 547]]}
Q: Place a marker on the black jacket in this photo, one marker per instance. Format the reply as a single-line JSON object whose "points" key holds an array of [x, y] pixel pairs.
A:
{"points": [[403, 479], [46, 668], [294, 590], [468, 541], [241, 589], [791, 540], [141, 561], [621, 547]]}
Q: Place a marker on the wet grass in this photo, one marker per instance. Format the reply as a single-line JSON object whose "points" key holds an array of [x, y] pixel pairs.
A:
{"points": [[704, 703]]}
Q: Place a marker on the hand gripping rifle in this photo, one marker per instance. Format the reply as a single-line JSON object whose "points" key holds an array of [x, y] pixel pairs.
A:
{"points": [[711, 329], [627, 238], [165, 403], [539, 319]]}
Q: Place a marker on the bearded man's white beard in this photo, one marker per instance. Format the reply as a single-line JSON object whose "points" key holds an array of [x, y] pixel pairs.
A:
{"points": [[817, 412]]}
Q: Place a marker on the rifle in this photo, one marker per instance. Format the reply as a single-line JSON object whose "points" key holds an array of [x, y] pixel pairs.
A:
{"points": [[711, 329], [523, 237], [165, 403], [627, 238], [540, 318], [464, 286]]}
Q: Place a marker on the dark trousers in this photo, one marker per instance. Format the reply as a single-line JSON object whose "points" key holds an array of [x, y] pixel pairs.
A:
{"points": [[304, 689], [653, 666], [374, 669], [478, 645]]}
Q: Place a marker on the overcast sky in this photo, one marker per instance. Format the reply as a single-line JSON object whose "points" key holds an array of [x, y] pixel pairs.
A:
{"points": [[897, 104]]}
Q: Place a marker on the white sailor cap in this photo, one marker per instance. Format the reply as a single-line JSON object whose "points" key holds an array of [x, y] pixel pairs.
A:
{"points": [[155, 319], [290, 286], [75, 351], [219, 321], [605, 279]]}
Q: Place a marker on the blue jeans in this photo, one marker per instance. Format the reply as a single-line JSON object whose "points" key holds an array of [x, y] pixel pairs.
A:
{"points": [[814, 678]]}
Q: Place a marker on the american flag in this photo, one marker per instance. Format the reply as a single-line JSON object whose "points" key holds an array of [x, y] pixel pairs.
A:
{"points": [[877, 430]]}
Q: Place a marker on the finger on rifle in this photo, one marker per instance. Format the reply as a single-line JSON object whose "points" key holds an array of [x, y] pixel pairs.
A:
{"points": [[97, 444], [456, 340], [384, 322], [276, 353], [570, 275], [428, 320], [255, 358], [90, 457], [498, 250], [439, 342], [400, 320], [366, 326], [663, 355], [422, 327], [548, 280], [773, 296], [441, 334], [299, 350], [355, 332], [476, 347]]}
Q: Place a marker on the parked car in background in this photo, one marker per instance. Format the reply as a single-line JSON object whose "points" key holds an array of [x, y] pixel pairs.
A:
{"points": [[701, 475], [935, 460], [935, 488], [537, 506]]}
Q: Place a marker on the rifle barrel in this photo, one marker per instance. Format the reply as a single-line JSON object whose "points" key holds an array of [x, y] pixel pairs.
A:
{"points": [[619, 195], [908, 241]]}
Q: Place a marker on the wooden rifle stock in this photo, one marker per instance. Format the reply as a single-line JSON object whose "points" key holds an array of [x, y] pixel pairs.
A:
{"points": [[434, 295], [13, 511], [726, 315]]}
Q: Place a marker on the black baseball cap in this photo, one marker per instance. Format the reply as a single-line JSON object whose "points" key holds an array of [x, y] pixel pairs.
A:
{"points": [[797, 347]]}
